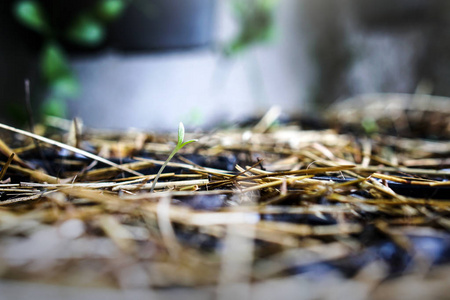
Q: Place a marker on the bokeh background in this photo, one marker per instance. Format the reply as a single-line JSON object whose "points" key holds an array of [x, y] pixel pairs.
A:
{"points": [[152, 63]]}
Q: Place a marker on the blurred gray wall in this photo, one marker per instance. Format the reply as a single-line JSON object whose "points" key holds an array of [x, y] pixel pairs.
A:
{"points": [[198, 87], [325, 50], [366, 46]]}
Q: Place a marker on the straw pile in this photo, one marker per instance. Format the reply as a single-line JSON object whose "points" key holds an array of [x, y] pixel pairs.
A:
{"points": [[240, 205]]}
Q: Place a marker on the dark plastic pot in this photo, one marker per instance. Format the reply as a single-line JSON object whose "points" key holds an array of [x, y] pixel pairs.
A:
{"points": [[164, 24], [397, 12], [146, 25], [60, 15]]}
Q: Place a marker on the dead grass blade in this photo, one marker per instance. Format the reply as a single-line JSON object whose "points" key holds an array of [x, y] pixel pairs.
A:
{"points": [[67, 147]]}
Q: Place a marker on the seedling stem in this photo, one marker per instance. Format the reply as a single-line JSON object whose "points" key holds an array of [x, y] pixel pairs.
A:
{"points": [[180, 144]]}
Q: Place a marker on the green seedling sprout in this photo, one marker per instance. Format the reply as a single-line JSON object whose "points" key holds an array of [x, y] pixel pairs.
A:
{"points": [[180, 144]]}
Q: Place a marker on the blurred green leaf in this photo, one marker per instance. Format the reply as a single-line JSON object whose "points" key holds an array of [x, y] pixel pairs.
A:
{"points": [[257, 24], [31, 14], [65, 86], [54, 107], [268, 5], [86, 31], [54, 64], [369, 125], [56, 70], [110, 10]]}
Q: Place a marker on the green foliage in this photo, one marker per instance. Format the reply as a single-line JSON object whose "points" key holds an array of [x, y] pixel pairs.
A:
{"points": [[180, 144], [31, 14], [110, 10], [65, 86], [53, 62], [56, 71], [370, 126], [54, 106], [87, 29], [256, 24]]}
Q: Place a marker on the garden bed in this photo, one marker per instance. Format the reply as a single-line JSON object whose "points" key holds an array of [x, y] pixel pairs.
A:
{"points": [[243, 205]]}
